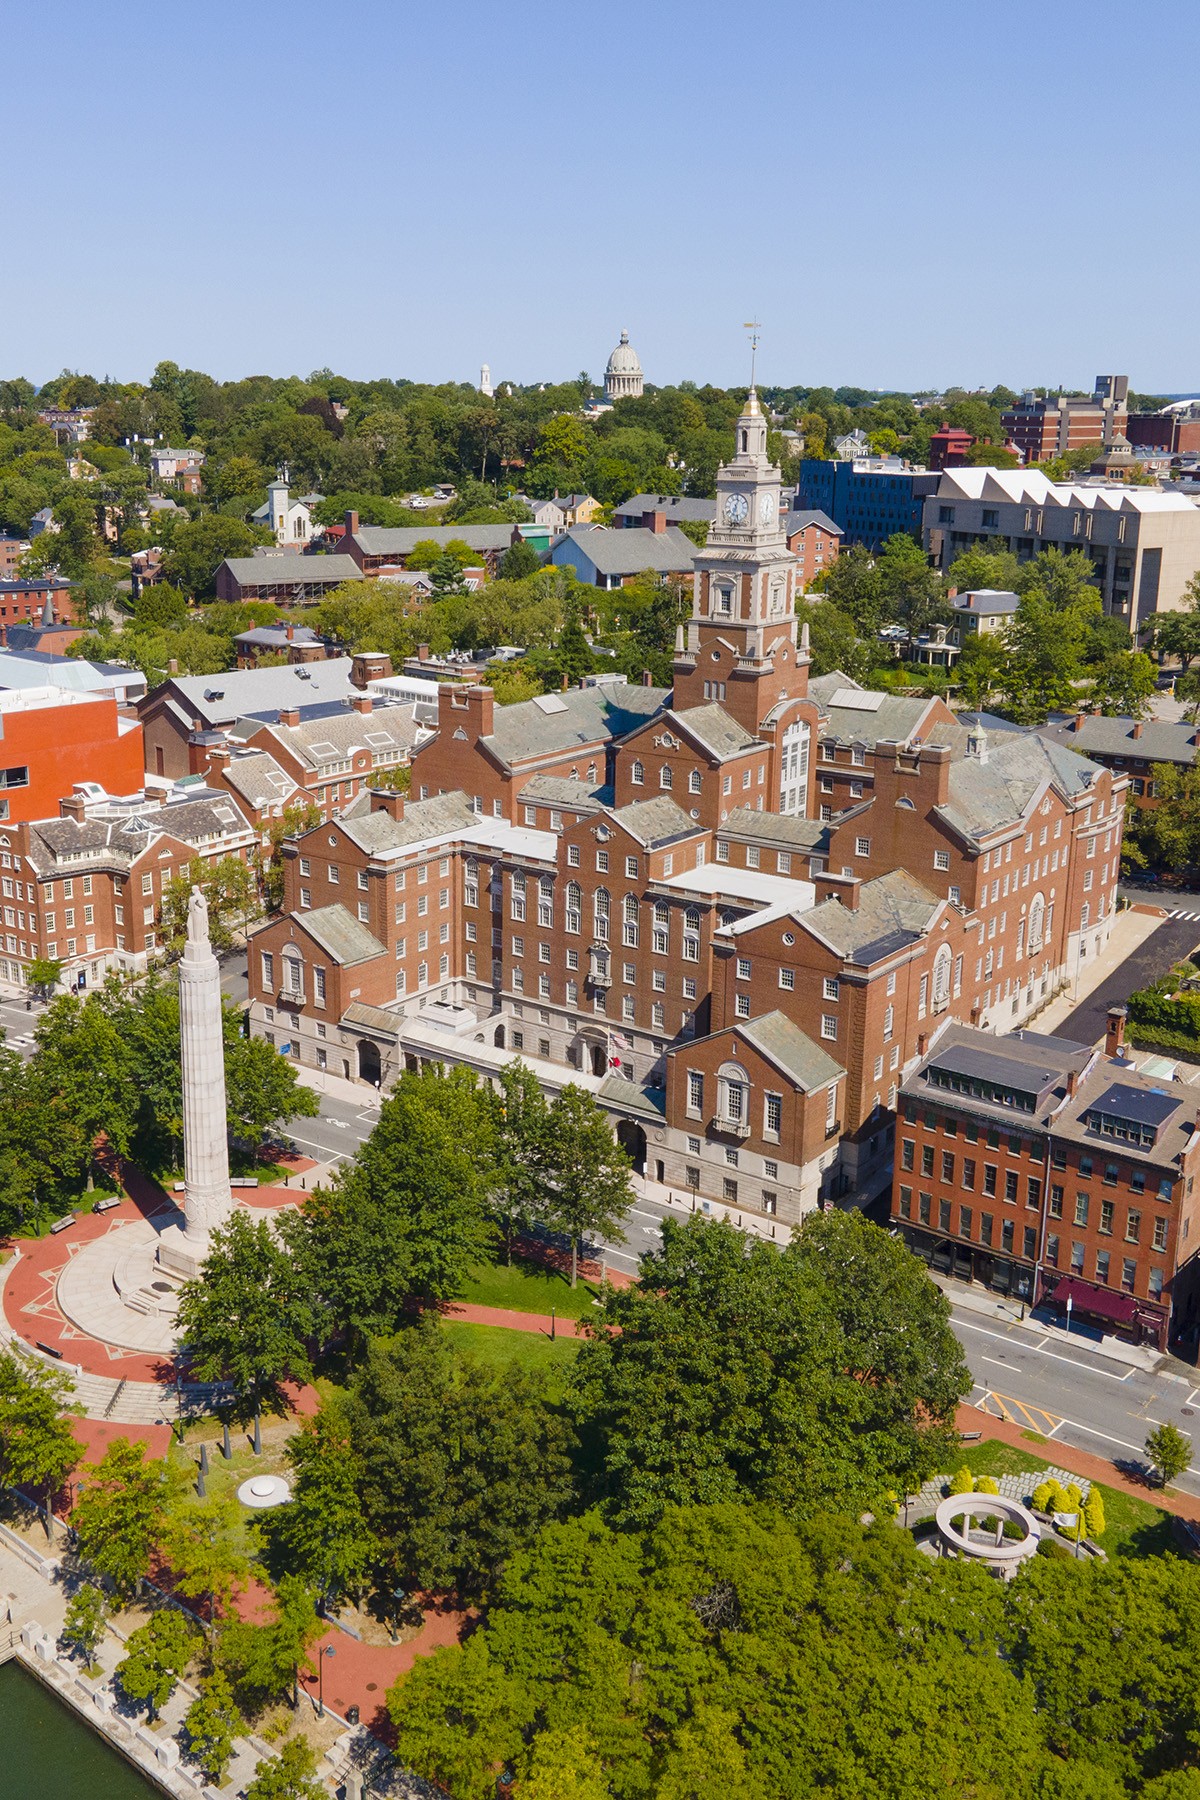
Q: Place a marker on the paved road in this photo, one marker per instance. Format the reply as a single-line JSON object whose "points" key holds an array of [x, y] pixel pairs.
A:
{"points": [[1175, 938], [1074, 1395]]}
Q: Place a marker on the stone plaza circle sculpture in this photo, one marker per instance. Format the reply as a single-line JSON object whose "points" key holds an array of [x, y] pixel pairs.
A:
{"points": [[959, 1510]]}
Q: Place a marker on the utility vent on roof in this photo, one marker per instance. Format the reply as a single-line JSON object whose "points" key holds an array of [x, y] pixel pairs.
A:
{"points": [[858, 699], [303, 674], [549, 703], [214, 693]]}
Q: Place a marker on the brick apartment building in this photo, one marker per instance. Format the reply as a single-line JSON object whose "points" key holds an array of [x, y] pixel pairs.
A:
{"points": [[1144, 545], [1041, 428], [631, 888], [1050, 1170], [1129, 746], [948, 447], [1176, 431], [24, 600], [814, 540], [85, 887]]}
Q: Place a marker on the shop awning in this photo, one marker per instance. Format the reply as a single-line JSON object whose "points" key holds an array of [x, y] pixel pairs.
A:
{"points": [[1101, 1302]]}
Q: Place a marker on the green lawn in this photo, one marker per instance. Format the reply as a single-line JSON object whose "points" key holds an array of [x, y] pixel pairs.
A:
{"points": [[526, 1287], [528, 1349], [1132, 1527]]}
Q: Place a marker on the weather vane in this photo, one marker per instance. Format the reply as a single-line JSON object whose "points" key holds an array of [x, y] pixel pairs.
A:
{"points": [[753, 327]]}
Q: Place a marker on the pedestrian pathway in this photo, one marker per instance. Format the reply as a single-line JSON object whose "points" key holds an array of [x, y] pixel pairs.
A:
{"points": [[971, 1421]]}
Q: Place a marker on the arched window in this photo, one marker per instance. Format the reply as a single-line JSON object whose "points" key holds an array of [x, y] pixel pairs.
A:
{"points": [[546, 901], [943, 964], [574, 906], [733, 1097], [1037, 920], [629, 927], [600, 912], [666, 776], [694, 782], [637, 774]]}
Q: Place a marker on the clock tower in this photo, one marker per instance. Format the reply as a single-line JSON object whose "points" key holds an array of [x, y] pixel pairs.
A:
{"points": [[739, 647]]}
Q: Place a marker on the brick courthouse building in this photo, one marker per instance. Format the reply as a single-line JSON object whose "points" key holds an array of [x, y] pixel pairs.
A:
{"points": [[739, 911]]}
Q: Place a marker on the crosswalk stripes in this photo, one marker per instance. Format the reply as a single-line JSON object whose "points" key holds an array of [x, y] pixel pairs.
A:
{"points": [[1178, 914]]}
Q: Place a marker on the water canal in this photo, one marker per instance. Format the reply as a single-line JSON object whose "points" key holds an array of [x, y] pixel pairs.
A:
{"points": [[50, 1754]]}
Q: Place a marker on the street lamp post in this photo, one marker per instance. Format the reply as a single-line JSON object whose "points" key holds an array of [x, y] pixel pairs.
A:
{"points": [[326, 1650]]}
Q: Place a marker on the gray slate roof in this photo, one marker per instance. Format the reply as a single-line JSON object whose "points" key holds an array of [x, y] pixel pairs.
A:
{"points": [[781, 829], [985, 796], [259, 779], [987, 602], [657, 821], [892, 910], [54, 841], [438, 817], [579, 718], [800, 520], [1026, 1060], [334, 738], [791, 1050], [218, 700], [1158, 740], [291, 566], [716, 729], [897, 719], [389, 540], [339, 933], [628, 552], [675, 506], [560, 790], [278, 637]]}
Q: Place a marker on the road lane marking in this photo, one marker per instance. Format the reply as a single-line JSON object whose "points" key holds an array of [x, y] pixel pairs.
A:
{"points": [[1003, 1337]]}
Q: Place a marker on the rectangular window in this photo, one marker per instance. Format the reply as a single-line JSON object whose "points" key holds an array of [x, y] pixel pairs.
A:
{"points": [[830, 988], [787, 979], [947, 1166], [1128, 1275], [695, 1091], [319, 986], [924, 1202], [1160, 1234], [908, 1151], [1077, 1252], [1010, 1184], [906, 1203], [1052, 1252], [968, 1172], [1107, 1213], [829, 1026], [985, 1229], [964, 1221], [1006, 1234], [1030, 1239], [773, 1115], [1102, 1266], [1133, 1226], [1081, 1209], [989, 1178]]}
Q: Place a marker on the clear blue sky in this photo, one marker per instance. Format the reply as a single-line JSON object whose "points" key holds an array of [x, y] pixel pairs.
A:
{"points": [[905, 195]]}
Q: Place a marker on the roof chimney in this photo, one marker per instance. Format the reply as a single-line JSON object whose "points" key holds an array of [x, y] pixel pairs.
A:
{"points": [[1114, 1035], [422, 652], [655, 521], [291, 631], [289, 715], [361, 703], [1137, 729], [1072, 1083], [1078, 725], [351, 524], [647, 678]]}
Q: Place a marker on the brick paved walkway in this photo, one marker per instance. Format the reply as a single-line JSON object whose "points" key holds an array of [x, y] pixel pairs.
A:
{"points": [[1080, 1462]]}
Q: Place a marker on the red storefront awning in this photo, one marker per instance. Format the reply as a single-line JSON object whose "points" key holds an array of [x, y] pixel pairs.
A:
{"points": [[1101, 1302]]}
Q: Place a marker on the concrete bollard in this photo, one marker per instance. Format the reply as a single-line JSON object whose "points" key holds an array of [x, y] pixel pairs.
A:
{"points": [[102, 1699], [31, 1631], [354, 1784], [167, 1752]]}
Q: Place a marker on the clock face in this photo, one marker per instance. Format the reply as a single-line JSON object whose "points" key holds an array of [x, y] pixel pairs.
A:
{"points": [[766, 508], [736, 508]]}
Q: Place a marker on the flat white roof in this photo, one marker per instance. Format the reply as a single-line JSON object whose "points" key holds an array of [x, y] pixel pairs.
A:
{"points": [[717, 879], [32, 699]]}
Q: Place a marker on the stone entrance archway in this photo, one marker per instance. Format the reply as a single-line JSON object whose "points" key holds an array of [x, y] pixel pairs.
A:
{"points": [[370, 1062], [632, 1140]]}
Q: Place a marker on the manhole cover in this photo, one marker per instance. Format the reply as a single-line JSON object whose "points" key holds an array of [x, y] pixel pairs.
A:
{"points": [[161, 1287], [1187, 1411], [371, 1686]]}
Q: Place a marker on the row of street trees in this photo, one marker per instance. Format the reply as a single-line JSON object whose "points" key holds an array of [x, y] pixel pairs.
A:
{"points": [[105, 1077]]}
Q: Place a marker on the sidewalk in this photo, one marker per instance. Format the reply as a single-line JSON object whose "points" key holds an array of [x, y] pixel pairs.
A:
{"points": [[1080, 1462], [999, 1311]]}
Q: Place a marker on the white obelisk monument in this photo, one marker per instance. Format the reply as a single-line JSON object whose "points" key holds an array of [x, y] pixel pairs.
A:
{"points": [[206, 1195]]}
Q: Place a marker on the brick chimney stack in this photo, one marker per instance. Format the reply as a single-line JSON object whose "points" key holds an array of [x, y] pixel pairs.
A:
{"points": [[655, 521], [1138, 728], [1114, 1035], [1072, 1083], [351, 522], [361, 703], [289, 715]]}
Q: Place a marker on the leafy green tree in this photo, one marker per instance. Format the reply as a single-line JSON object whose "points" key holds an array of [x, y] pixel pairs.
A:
{"points": [[289, 1776], [200, 546], [982, 671], [264, 1660], [911, 591], [156, 1656], [1170, 1451], [587, 1187], [518, 561], [992, 456], [43, 975], [323, 1535], [852, 584], [407, 1220], [834, 642], [1124, 684], [565, 1765], [202, 1545], [246, 1318], [1177, 634], [84, 1624], [121, 1513], [212, 1722], [461, 1462], [38, 1449], [1046, 656], [522, 1121], [230, 889], [825, 1376], [1065, 578], [294, 821], [981, 567]]}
